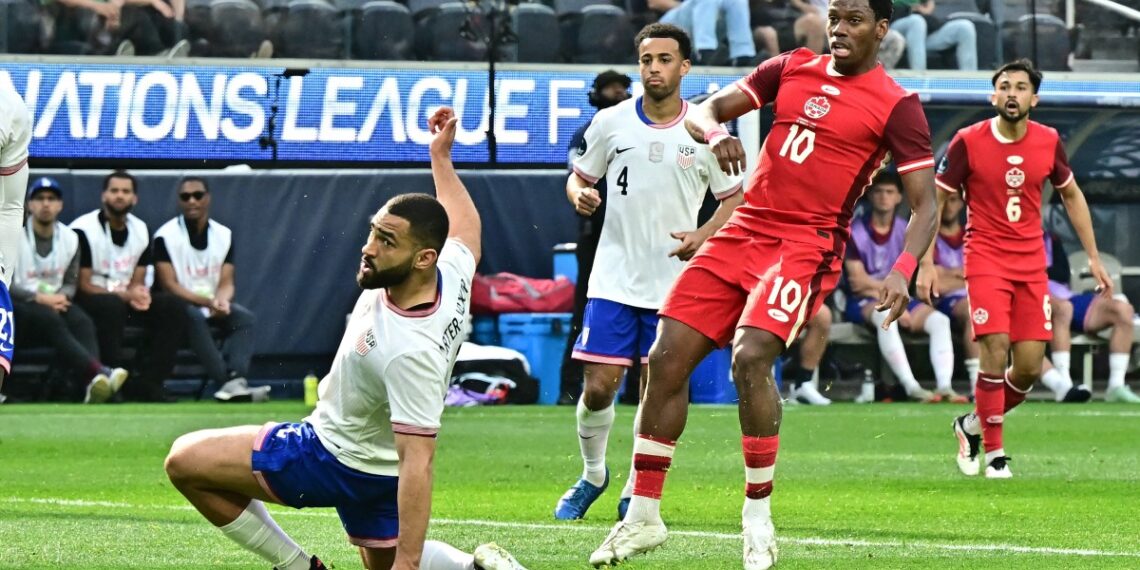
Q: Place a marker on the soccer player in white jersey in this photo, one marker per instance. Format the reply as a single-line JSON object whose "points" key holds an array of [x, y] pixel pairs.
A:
{"points": [[380, 405], [657, 178], [15, 136]]}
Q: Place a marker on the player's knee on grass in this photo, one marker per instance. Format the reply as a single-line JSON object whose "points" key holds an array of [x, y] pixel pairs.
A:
{"points": [[602, 382], [753, 353], [181, 463]]}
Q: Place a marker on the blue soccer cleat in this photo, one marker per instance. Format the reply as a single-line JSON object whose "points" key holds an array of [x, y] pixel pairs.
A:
{"points": [[577, 500]]}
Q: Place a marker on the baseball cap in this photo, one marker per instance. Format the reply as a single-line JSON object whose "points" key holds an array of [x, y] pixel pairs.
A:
{"points": [[45, 184], [610, 76]]}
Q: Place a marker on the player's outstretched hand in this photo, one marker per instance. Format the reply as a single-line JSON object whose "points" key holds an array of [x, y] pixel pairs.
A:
{"points": [[690, 243], [442, 124], [1104, 282], [893, 295], [927, 283], [729, 153], [586, 201]]}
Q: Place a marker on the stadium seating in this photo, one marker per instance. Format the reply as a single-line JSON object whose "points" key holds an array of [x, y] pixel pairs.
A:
{"points": [[446, 29], [564, 7], [382, 30], [421, 8], [604, 35], [1052, 41], [987, 33], [236, 28], [536, 26], [311, 29], [20, 25]]}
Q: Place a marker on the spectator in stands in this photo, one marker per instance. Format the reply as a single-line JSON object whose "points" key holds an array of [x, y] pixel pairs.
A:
{"points": [[811, 27], [610, 88], [44, 286], [808, 18], [699, 18], [949, 257], [114, 252], [1087, 313], [876, 241], [193, 260], [923, 31], [126, 27]]}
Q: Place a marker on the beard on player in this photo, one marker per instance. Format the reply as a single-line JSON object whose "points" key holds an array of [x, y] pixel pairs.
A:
{"points": [[370, 276], [1012, 110]]}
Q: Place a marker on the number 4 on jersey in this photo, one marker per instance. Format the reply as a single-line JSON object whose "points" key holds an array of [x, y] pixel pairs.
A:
{"points": [[623, 180]]}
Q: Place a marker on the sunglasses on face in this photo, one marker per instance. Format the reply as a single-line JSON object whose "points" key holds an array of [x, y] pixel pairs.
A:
{"points": [[197, 196]]}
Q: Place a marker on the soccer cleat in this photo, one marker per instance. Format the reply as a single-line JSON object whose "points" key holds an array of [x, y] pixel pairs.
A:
{"points": [[623, 507], [314, 564], [949, 396], [577, 500], [924, 396], [629, 539], [117, 377], [999, 468], [491, 556], [759, 545], [806, 393], [1122, 394], [1077, 395], [98, 390], [968, 447]]}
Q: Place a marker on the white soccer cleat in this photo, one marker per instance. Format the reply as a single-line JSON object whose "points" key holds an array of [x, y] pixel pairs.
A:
{"points": [[491, 556], [117, 378], [98, 390], [999, 469], [925, 396], [759, 545], [968, 449], [808, 394], [629, 539]]}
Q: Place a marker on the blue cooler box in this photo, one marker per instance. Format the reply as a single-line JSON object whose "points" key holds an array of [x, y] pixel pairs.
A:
{"points": [[541, 337], [566, 261], [485, 330], [711, 382]]}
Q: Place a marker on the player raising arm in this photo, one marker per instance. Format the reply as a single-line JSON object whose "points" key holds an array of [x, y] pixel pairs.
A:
{"points": [[367, 448]]}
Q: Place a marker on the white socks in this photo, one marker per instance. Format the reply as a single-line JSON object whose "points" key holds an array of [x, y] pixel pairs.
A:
{"points": [[757, 509], [891, 346], [1057, 383], [442, 556], [1061, 360], [257, 532], [593, 435], [972, 367], [937, 326], [1117, 367]]}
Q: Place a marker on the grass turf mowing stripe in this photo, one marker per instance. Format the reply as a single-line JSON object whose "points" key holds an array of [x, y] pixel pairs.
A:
{"points": [[812, 541]]}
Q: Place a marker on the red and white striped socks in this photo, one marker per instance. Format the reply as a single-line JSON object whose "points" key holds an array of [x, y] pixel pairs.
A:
{"points": [[651, 460], [759, 467]]}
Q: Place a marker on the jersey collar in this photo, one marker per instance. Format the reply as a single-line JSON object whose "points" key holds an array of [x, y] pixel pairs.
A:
{"points": [[645, 118]]}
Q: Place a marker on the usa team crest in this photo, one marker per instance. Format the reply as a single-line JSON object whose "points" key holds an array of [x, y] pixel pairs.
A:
{"points": [[365, 343], [686, 156]]}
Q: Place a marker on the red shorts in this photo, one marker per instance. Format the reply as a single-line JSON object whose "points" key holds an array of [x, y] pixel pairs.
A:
{"points": [[743, 279], [1017, 308]]}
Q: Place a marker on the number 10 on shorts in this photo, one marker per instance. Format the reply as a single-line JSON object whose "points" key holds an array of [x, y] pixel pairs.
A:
{"points": [[788, 295]]}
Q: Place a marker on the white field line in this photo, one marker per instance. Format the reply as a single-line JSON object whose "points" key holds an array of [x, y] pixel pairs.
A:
{"points": [[811, 541]]}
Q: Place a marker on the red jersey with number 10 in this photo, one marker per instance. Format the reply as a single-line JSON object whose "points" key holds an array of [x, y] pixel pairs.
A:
{"points": [[831, 134], [1001, 182]]}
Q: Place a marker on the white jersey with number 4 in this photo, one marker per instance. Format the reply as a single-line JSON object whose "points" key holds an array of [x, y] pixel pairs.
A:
{"points": [[656, 178], [392, 369]]}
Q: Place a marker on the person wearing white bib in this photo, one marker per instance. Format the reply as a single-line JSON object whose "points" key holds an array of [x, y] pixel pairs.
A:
{"points": [[193, 260], [114, 252], [43, 290], [368, 448], [15, 137]]}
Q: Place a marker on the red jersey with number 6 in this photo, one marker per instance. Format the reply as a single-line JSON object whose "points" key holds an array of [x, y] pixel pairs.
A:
{"points": [[1001, 182], [830, 136]]}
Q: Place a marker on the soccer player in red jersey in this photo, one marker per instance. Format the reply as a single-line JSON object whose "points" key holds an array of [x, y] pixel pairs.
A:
{"points": [[1000, 165], [839, 119]]}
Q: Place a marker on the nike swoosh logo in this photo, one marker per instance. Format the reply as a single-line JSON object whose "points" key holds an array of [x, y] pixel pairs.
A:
{"points": [[6, 348], [621, 150], [584, 437]]}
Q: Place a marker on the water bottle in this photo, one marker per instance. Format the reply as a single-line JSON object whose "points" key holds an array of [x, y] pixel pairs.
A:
{"points": [[867, 392], [311, 390]]}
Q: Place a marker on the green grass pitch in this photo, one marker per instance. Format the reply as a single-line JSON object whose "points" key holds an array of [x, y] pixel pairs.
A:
{"points": [[856, 487]]}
